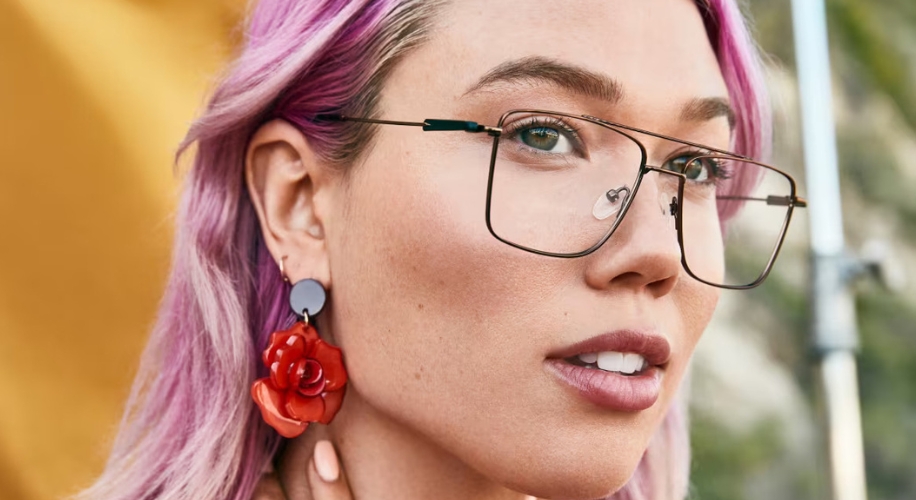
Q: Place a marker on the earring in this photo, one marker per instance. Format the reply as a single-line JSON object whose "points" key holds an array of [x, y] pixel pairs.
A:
{"points": [[307, 376]]}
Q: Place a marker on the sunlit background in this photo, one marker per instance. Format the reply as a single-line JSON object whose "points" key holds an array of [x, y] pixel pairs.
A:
{"points": [[95, 95]]}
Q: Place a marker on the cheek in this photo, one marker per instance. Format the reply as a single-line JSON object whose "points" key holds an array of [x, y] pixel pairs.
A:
{"points": [[422, 289], [695, 304], [414, 239], [703, 245]]}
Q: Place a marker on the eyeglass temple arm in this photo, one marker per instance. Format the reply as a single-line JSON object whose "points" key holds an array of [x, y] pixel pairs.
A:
{"points": [[429, 124], [781, 201]]}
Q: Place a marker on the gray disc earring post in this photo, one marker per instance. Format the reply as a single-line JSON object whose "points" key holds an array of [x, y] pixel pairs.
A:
{"points": [[833, 328], [307, 298]]}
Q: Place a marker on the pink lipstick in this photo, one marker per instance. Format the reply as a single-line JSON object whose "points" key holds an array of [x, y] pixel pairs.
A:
{"points": [[620, 371]]}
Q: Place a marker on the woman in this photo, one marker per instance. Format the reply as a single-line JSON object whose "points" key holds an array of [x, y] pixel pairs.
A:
{"points": [[516, 298]]}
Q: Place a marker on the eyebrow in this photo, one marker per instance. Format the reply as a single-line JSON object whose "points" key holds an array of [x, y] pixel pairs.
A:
{"points": [[708, 108], [587, 83], [541, 69]]}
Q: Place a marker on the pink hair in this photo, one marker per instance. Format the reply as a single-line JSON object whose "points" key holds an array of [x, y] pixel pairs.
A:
{"points": [[190, 429]]}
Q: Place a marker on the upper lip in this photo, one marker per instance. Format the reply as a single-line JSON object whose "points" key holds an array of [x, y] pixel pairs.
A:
{"points": [[654, 348]]}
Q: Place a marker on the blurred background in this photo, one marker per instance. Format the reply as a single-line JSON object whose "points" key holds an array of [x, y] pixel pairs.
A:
{"points": [[96, 94]]}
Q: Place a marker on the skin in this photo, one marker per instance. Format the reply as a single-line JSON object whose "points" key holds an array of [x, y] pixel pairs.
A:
{"points": [[445, 330]]}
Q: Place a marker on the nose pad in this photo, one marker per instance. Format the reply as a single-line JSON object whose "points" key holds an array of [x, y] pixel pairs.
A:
{"points": [[668, 204], [610, 202], [613, 200]]}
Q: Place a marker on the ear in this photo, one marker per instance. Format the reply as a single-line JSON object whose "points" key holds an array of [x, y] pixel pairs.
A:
{"points": [[289, 186]]}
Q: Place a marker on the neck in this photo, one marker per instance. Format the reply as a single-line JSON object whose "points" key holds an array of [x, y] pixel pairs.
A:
{"points": [[383, 459]]}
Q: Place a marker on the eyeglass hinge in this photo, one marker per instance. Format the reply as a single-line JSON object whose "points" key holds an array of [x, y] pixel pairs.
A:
{"points": [[433, 125], [786, 201]]}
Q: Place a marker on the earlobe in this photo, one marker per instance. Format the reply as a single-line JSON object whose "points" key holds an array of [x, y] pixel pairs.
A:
{"points": [[288, 186]]}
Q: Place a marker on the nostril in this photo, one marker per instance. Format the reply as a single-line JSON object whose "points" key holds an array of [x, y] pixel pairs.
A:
{"points": [[657, 282], [662, 287]]}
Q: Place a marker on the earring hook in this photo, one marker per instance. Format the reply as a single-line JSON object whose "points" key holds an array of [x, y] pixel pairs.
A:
{"points": [[283, 269]]}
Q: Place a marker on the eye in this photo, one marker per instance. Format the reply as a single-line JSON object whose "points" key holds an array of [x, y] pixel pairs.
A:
{"points": [[546, 139], [546, 134], [703, 169]]}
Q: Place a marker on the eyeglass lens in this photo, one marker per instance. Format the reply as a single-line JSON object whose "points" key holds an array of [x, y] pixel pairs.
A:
{"points": [[561, 184], [748, 214]]}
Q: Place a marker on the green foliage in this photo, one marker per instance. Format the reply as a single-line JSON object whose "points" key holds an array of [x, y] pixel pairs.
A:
{"points": [[723, 461], [872, 174], [888, 392], [857, 28]]}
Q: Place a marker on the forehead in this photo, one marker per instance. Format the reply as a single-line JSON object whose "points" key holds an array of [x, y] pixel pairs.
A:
{"points": [[657, 50]]}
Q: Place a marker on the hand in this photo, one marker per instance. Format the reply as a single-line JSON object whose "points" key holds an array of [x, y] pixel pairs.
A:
{"points": [[325, 476]]}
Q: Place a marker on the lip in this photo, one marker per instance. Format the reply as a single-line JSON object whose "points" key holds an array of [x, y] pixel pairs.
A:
{"points": [[614, 391]]}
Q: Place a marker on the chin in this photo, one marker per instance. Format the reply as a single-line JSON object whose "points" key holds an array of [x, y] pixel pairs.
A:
{"points": [[575, 487], [576, 475]]}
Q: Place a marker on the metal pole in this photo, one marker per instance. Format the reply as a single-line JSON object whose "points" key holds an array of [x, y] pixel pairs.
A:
{"points": [[835, 337]]}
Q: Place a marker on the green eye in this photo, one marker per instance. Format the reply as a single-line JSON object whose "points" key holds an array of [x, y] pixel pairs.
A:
{"points": [[541, 138], [546, 139], [695, 169], [698, 170]]}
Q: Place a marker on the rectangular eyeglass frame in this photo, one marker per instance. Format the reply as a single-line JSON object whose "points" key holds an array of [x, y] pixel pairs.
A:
{"points": [[448, 125]]}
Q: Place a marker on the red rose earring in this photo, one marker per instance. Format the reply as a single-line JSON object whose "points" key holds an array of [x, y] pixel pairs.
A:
{"points": [[307, 375]]}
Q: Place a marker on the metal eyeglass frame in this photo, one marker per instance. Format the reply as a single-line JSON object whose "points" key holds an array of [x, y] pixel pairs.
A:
{"points": [[676, 209]]}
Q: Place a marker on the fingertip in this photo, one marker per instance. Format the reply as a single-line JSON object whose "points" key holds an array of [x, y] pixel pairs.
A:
{"points": [[325, 462]]}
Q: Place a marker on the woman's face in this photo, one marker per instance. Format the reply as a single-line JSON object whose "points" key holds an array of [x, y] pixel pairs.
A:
{"points": [[459, 337]]}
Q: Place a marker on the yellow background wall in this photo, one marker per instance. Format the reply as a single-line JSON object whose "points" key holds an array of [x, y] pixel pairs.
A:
{"points": [[94, 97]]}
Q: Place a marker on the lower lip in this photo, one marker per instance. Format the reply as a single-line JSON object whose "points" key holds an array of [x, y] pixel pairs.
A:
{"points": [[610, 390]]}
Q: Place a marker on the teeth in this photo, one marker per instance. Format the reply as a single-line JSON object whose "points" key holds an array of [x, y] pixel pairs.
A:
{"points": [[610, 361], [628, 363], [632, 363], [589, 357]]}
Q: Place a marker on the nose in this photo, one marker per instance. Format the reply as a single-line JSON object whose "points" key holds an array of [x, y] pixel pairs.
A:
{"points": [[643, 253]]}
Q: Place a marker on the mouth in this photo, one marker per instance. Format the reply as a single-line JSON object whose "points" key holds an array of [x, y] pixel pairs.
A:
{"points": [[620, 371]]}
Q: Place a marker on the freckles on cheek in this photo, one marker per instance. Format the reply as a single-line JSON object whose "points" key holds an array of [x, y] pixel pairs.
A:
{"points": [[696, 303], [448, 262], [434, 297], [420, 268], [429, 228]]}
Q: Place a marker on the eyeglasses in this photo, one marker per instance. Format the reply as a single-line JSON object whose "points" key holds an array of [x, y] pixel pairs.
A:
{"points": [[560, 184]]}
